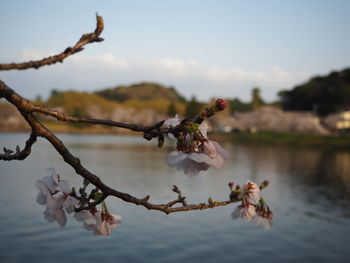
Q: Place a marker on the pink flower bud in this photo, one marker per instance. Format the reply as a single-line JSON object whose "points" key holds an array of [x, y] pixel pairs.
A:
{"points": [[220, 104], [230, 184]]}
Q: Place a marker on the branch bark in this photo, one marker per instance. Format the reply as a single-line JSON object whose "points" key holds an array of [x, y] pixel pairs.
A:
{"points": [[27, 110], [20, 155], [84, 39]]}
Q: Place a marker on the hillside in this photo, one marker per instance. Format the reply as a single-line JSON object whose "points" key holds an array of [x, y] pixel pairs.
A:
{"points": [[142, 91], [321, 94], [144, 103], [81, 104]]}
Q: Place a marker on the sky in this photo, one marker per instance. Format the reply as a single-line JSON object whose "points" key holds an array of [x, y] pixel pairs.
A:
{"points": [[202, 48]]}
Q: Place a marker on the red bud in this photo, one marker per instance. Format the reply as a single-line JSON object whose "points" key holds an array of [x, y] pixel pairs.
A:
{"points": [[230, 184], [220, 104]]}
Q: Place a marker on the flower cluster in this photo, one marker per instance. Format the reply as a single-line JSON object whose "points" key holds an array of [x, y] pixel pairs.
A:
{"points": [[60, 198], [99, 222], [195, 152], [55, 194], [253, 207]]}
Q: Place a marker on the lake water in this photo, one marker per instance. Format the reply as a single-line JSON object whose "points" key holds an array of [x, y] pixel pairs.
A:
{"points": [[309, 195]]}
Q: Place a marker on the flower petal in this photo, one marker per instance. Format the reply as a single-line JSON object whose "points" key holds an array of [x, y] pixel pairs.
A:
{"points": [[221, 151], [203, 128], [172, 122], [71, 203], [64, 186], [83, 216], [175, 157], [41, 198], [61, 217]]}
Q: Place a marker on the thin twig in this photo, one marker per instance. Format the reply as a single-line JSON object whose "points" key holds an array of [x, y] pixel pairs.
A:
{"points": [[20, 155], [85, 39], [27, 110]]}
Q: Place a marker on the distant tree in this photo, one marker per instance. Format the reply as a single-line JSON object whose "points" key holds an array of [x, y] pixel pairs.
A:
{"points": [[172, 109], [323, 95], [55, 93], [38, 99], [192, 107], [237, 105], [256, 99]]}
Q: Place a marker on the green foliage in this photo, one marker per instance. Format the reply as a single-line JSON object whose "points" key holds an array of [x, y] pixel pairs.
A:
{"points": [[158, 105], [38, 99], [172, 109], [322, 95], [80, 104], [142, 91], [55, 93], [193, 107], [256, 99], [237, 105], [291, 139]]}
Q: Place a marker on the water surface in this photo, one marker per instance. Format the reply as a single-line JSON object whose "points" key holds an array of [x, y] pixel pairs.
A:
{"points": [[309, 195]]}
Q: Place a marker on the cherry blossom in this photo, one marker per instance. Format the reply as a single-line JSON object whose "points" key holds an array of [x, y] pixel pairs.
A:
{"points": [[263, 215], [246, 211], [54, 210], [172, 122], [253, 207], [197, 155], [190, 163], [216, 153], [250, 196], [55, 194], [262, 221], [98, 222], [47, 186], [252, 192], [70, 202]]}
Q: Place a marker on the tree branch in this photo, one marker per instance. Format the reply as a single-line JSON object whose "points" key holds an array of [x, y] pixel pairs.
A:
{"points": [[65, 117], [27, 110], [19, 155], [85, 39]]}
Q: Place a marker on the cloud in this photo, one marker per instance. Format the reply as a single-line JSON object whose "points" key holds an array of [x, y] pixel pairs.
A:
{"points": [[29, 54], [92, 72], [106, 61]]}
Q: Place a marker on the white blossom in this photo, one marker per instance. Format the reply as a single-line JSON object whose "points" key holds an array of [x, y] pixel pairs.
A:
{"points": [[262, 221], [85, 215], [64, 186], [55, 194], [190, 163], [201, 156], [172, 122], [193, 163], [70, 204], [253, 195], [216, 153], [245, 211], [54, 210], [203, 128], [47, 186], [113, 219], [99, 223]]}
